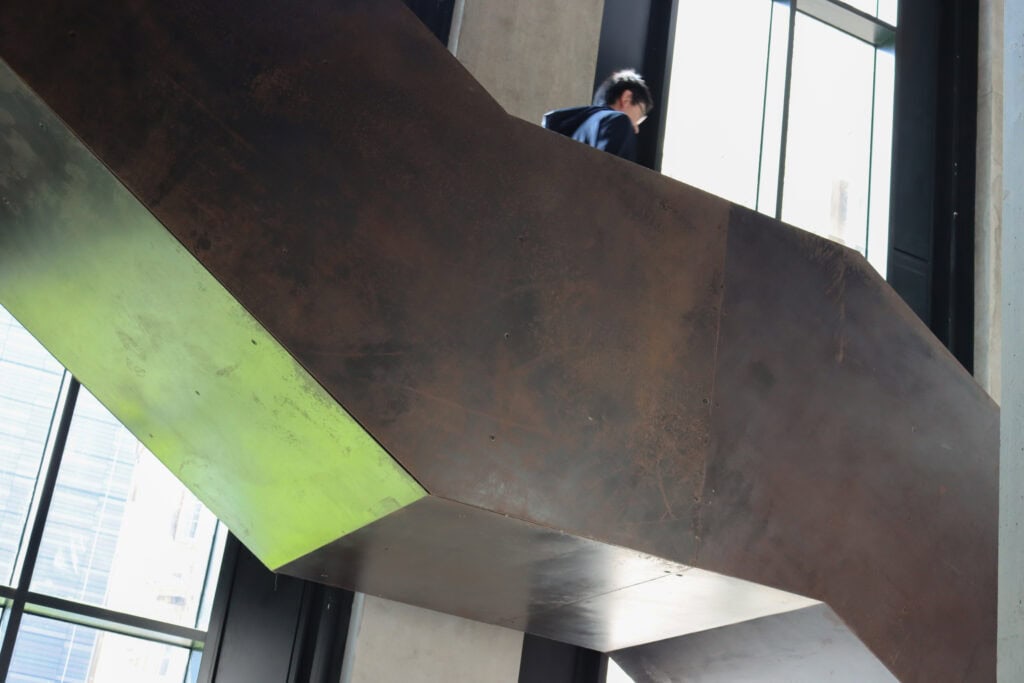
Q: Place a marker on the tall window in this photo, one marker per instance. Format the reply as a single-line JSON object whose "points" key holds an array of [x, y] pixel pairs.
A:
{"points": [[107, 563], [786, 107]]}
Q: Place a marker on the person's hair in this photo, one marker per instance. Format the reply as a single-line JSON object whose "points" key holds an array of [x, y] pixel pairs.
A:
{"points": [[609, 92]]}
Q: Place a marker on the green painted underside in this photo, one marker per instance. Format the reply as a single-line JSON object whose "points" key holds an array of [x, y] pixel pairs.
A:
{"points": [[118, 301]]}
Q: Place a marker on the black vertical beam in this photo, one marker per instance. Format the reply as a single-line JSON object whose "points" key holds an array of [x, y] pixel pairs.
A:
{"points": [[274, 629], [931, 243], [636, 34], [436, 14], [657, 55], [548, 661], [912, 199], [623, 42], [256, 637], [952, 302], [319, 649], [219, 610]]}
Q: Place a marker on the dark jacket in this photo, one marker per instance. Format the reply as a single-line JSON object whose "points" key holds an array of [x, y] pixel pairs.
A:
{"points": [[600, 127]]}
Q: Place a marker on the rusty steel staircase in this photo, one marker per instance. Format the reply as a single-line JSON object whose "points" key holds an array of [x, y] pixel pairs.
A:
{"points": [[404, 343]]}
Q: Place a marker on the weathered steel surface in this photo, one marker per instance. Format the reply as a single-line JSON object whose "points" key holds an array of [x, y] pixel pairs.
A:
{"points": [[520, 320], [504, 571], [809, 645], [539, 330], [853, 459]]}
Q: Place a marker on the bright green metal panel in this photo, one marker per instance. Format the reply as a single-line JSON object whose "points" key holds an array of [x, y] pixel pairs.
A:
{"points": [[117, 299]]}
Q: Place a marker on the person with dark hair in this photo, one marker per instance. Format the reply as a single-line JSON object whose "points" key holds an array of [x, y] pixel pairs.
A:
{"points": [[621, 103]]}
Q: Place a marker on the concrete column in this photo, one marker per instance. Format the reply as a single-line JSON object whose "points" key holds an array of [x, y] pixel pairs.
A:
{"points": [[531, 56], [390, 642], [989, 198], [1011, 465]]}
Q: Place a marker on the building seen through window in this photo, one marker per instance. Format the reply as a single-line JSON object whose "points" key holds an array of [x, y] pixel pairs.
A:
{"points": [[107, 563], [787, 108]]}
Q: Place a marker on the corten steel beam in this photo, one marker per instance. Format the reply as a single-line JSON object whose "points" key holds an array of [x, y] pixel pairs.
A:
{"points": [[617, 390]]}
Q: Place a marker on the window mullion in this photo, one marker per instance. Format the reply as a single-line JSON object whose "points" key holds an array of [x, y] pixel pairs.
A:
{"points": [[871, 154], [785, 110], [111, 621], [17, 607], [764, 106], [850, 21]]}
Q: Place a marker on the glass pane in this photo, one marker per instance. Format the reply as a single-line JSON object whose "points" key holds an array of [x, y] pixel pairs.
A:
{"points": [[716, 96], [829, 140], [195, 659], [30, 381], [887, 10], [49, 651], [881, 161], [122, 532], [615, 674], [775, 95]]}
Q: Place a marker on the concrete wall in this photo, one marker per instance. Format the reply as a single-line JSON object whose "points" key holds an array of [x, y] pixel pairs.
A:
{"points": [[394, 643], [989, 198], [531, 56], [1011, 448]]}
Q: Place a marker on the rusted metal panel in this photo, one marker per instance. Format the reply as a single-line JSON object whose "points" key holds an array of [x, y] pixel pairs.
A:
{"points": [[453, 557], [809, 645], [854, 460], [518, 319]]}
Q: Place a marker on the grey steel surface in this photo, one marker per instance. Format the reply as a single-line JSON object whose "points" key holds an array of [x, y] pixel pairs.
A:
{"points": [[811, 645]]}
